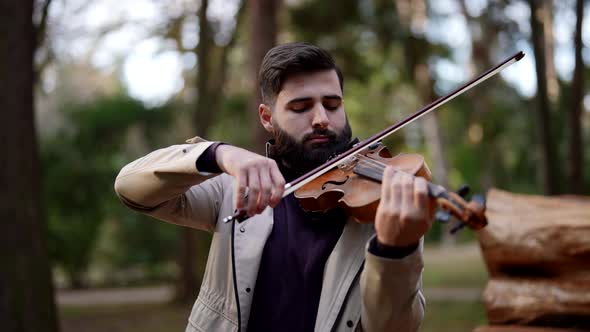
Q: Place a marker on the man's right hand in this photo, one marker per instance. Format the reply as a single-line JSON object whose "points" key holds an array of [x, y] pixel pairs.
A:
{"points": [[260, 175]]}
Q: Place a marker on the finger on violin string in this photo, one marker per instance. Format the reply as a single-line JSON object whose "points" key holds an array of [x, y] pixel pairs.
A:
{"points": [[407, 189], [253, 192], [396, 189], [386, 183], [422, 203], [421, 193]]}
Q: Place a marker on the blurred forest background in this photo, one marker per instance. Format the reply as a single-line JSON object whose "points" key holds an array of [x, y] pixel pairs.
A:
{"points": [[88, 86]]}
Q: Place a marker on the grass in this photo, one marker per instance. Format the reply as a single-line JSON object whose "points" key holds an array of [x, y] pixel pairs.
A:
{"points": [[461, 267], [453, 316]]}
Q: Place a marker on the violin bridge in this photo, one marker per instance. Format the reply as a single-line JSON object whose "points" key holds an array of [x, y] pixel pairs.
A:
{"points": [[348, 164]]}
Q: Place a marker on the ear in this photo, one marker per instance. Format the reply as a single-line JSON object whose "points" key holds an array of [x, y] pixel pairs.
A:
{"points": [[265, 114]]}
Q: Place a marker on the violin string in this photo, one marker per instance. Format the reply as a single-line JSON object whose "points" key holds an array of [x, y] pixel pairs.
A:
{"points": [[372, 164], [373, 169], [378, 165]]}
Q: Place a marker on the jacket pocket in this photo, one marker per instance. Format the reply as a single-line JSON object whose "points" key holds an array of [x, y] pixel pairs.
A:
{"points": [[204, 318]]}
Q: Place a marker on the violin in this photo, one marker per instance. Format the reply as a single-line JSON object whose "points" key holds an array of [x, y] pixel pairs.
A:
{"points": [[355, 186], [352, 178]]}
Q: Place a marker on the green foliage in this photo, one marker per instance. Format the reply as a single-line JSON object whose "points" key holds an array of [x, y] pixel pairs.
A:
{"points": [[80, 163], [232, 124], [336, 28]]}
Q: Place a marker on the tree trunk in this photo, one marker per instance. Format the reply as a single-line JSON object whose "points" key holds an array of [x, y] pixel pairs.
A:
{"points": [[419, 73], [202, 115], [481, 28], [552, 81], [263, 36], [575, 115], [548, 163], [188, 283], [212, 72], [26, 290]]}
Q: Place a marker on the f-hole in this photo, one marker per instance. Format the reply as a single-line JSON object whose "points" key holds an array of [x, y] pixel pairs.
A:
{"points": [[335, 183]]}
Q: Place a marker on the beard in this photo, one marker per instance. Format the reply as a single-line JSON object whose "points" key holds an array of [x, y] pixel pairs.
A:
{"points": [[298, 157]]}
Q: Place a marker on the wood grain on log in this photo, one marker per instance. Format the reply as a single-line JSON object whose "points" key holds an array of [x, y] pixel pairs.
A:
{"points": [[536, 236], [538, 302]]}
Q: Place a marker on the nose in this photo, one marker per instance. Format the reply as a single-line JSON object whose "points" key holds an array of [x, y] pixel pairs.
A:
{"points": [[320, 117]]}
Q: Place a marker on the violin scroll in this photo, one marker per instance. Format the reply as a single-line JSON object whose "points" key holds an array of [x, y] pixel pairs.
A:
{"points": [[469, 213]]}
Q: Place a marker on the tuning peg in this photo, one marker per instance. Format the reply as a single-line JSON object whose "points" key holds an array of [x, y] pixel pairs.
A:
{"points": [[457, 227], [442, 216], [463, 190]]}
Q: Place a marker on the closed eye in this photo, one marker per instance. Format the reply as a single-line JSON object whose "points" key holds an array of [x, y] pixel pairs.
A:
{"points": [[299, 110], [299, 107], [332, 105]]}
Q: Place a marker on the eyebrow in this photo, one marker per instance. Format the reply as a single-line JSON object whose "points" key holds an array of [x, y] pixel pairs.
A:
{"points": [[304, 99]]}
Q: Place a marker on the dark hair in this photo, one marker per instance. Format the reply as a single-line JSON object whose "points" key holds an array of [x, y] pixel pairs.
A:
{"points": [[288, 59]]}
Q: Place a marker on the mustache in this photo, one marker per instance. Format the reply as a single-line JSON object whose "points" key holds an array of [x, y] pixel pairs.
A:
{"points": [[320, 132]]}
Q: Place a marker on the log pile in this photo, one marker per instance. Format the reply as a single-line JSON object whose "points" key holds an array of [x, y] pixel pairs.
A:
{"points": [[537, 252]]}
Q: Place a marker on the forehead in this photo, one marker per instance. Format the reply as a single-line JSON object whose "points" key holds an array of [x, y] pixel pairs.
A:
{"points": [[314, 84]]}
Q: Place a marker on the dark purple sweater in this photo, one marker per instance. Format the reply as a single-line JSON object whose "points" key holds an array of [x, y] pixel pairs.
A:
{"points": [[290, 276]]}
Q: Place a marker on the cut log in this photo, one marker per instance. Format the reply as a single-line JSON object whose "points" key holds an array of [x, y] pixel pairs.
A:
{"points": [[536, 236], [516, 328], [543, 302]]}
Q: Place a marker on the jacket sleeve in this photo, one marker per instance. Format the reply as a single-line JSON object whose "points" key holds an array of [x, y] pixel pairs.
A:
{"points": [[391, 292], [166, 184]]}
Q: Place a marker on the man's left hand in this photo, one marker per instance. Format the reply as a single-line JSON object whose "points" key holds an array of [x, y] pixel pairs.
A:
{"points": [[405, 212]]}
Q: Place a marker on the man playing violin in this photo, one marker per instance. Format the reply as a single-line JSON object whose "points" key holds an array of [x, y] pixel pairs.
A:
{"points": [[285, 269]]}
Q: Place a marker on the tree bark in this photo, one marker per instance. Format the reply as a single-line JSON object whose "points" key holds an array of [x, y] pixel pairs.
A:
{"points": [[26, 290], [575, 115], [263, 36], [548, 163]]}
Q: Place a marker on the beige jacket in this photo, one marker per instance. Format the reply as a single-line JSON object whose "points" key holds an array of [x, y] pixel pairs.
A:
{"points": [[360, 291]]}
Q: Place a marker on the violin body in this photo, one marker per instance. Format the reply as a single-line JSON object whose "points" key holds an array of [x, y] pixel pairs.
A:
{"points": [[357, 194]]}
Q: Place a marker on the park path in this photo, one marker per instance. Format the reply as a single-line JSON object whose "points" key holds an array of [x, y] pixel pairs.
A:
{"points": [[113, 296], [164, 293]]}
